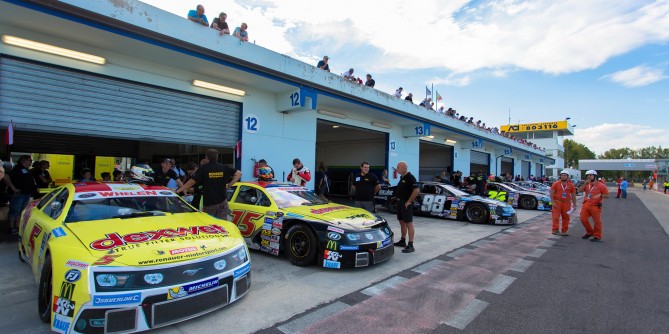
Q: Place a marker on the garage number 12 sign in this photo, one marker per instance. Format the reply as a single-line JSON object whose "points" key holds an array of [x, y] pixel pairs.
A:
{"points": [[251, 123]]}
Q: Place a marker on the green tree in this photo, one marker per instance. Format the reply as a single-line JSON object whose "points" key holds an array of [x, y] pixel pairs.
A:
{"points": [[574, 151]]}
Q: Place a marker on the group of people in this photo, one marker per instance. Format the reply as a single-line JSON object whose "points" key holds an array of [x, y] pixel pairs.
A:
{"points": [[197, 15]]}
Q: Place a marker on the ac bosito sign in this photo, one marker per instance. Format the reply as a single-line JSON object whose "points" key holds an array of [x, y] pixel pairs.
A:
{"points": [[243, 270], [129, 298]]}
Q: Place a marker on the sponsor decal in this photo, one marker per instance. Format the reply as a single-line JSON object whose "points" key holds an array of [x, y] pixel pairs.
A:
{"points": [[272, 238], [269, 250], [294, 215], [265, 232], [269, 244], [267, 226], [183, 250], [61, 324], [326, 210], [331, 264], [58, 232], [332, 245], [107, 259], [63, 306], [114, 240], [334, 236], [276, 231], [369, 236], [277, 224], [66, 290], [270, 214], [191, 272], [368, 223], [87, 195], [42, 248], [33, 236], [106, 300], [158, 252], [72, 275], [76, 264], [348, 248], [269, 220], [243, 270], [189, 289], [332, 255], [335, 229], [384, 243], [360, 215]]}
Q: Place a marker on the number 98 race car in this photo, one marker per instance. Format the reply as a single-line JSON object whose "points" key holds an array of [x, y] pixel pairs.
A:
{"points": [[116, 257], [283, 218], [445, 201]]}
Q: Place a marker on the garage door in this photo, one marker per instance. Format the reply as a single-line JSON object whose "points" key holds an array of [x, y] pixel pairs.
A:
{"points": [[507, 166], [479, 162], [44, 98]]}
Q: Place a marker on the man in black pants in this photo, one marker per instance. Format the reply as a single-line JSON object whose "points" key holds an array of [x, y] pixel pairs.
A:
{"points": [[407, 190], [365, 186]]}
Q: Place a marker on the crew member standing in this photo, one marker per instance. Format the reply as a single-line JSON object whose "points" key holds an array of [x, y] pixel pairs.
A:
{"points": [[666, 186], [365, 186], [407, 191], [594, 193], [299, 175], [213, 176], [563, 195], [619, 182]]}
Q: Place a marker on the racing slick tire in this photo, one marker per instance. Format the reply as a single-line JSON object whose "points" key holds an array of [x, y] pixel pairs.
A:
{"points": [[301, 245], [44, 293], [476, 213], [527, 202], [391, 205]]}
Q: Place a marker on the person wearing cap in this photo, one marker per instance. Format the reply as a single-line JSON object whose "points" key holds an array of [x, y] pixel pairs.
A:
{"points": [[594, 192], [563, 196], [323, 64]]}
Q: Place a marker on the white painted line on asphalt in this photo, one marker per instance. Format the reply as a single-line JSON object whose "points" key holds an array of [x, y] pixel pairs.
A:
{"points": [[298, 325], [547, 243], [479, 243], [387, 284], [499, 284], [427, 266], [467, 314], [459, 252], [521, 265], [537, 253], [511, 230]]}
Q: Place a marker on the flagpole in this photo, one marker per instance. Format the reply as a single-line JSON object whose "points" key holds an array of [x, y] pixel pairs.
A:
{"points": [[432, 91]]}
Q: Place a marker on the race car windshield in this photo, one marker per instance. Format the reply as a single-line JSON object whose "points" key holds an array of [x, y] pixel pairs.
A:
{"points": [[291, 197], [455, 191], [91, 209]]}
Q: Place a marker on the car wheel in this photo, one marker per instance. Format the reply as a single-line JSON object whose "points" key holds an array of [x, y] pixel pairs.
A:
{"points": [[20, 256], [391, 205], [477, 213], [528, 202], [44, 294], [301, 245]]}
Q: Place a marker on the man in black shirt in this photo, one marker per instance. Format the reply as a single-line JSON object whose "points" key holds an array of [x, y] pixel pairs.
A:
{"points": [[365, 186], [22, 185], [407, 191], [165, 173], [213, 177]]}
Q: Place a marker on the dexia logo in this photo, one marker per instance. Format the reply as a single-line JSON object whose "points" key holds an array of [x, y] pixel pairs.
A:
{"points": [[114, 240]]}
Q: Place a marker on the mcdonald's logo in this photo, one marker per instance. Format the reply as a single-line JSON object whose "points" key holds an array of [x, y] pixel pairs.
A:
{"points": [[66, 290], [331, 245]]}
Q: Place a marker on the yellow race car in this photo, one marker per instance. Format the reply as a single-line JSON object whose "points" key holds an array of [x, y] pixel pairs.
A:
{"points": [[281, 218], [119, 257]]}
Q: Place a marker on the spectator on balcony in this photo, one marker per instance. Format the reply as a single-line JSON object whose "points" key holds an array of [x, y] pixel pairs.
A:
{"points": [[398, 93], [197, 15], [349, 75], [241, 33], [470, 121], [220, 24], [409, 97], [370, 82], [323, 64]]}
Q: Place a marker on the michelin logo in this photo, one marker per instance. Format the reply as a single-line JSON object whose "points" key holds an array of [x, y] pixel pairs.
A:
{"points": [[130, 298]]}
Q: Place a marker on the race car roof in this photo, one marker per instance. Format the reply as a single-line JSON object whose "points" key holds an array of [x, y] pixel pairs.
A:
{"points": [[264, 184], [81, 187]]}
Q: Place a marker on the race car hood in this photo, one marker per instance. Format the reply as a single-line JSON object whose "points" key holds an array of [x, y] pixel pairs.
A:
{"points": [[341, 216], [171, 237]]}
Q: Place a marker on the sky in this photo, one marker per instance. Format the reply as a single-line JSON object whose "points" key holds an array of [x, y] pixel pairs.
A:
{"points": [[602, 63]]}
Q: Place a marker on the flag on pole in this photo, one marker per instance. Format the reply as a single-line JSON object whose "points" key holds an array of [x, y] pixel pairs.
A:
{"points": [[9, 134], [238, 149], [438, 96], [427, 91]]}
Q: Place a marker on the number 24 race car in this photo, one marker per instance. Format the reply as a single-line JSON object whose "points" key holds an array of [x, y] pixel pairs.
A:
{"points": [[281, 218], [116, 257]]}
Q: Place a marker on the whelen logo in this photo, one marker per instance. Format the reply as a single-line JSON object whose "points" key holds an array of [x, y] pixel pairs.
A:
{"points": [[113, 240]]}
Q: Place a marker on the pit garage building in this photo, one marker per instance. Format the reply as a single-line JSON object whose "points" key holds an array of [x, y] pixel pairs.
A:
{"points": [[152, 84]]}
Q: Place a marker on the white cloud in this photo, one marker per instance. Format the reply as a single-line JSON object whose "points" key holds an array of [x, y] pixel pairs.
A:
{"points": [[602, 138], [637, 76], [457, 36]]}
